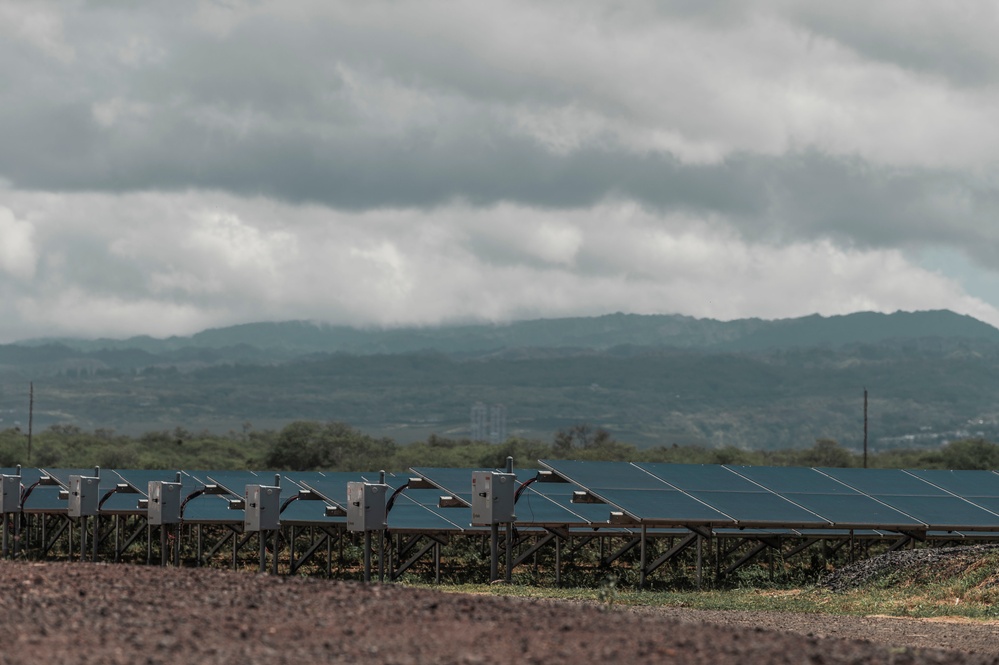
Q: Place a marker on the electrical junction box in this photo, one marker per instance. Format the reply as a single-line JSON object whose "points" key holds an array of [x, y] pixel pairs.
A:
{"points": [[492, 497], [163, 506], [83, 495], [366, 506], [262, 508], [10, 494]]}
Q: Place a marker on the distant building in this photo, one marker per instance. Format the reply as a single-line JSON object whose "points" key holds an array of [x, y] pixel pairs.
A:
{"points": [[497, 424], [480, 422], [488, 423]]}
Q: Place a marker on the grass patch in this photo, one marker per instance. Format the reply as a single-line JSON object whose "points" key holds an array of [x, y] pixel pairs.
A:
{"points": [[963, 587]]}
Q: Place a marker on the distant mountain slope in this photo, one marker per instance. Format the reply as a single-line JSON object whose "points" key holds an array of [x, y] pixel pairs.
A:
{"points": [[284, 340], [650, 380]]}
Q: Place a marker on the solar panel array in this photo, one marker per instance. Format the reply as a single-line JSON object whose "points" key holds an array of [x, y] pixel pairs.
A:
{"points": [[721, 496], [634, 502]]}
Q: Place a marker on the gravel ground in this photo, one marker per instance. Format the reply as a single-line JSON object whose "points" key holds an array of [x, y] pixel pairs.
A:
{"points": [[105, 613], [928, 559]]}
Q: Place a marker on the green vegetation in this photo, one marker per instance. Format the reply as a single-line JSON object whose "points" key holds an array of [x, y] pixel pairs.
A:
{"points": [[650, 381], [313, 445], [959, 590]]}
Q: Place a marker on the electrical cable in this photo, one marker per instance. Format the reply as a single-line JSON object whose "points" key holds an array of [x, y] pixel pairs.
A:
{"points": [[391, 501]]}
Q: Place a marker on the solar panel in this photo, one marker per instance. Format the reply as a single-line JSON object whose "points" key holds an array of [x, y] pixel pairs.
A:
{"points": [[927, 503], [539, 504], [605, 475], [962, 483], [978, 487], [734, 495], [834, 501], [139, 479]]}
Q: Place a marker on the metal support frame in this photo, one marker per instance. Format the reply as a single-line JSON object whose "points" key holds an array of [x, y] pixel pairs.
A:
{"points": [[671, 553], [621, 551], [433, 544], [763, 545], [314, 546]]}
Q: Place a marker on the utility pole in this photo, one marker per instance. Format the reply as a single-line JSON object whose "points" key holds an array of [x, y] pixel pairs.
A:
{"points": [[31, 415], [865, 427]]}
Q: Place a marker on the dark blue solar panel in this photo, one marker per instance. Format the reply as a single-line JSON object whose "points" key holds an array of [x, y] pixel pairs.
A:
{"points": [[539, 503], [139, 479], [732, 494], [604, 475], [792, 480], [662, 505], [332, 486], [700, 477], [925, 502], [962, 483], [884, 482]]}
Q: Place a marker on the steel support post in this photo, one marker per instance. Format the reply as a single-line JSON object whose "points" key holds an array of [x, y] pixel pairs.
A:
{"points": [[263, 551], [558, 562], [644, 545], [494, 553], [509, 553], [367, 556]]}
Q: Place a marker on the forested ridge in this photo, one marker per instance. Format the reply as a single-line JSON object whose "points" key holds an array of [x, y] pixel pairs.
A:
{"points": [[336, 446], [931, 378]]}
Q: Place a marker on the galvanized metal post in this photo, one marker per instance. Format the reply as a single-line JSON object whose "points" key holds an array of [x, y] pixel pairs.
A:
{"points": [[509, 552], [277, 540], [700, 559], [329, 556], [83, 538], [263, 551], [381, 556], [367, 556], [641, 576], [493, 552], [558, 561]]}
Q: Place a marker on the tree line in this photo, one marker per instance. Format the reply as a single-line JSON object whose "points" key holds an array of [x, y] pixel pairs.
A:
{"points": [[336, 446]]}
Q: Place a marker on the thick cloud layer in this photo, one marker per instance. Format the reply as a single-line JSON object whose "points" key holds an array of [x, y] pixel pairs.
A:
{"points": [[167, 167]]}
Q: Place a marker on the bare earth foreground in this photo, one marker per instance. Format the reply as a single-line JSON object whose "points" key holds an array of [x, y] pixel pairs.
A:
{"points": [[96, 613]]}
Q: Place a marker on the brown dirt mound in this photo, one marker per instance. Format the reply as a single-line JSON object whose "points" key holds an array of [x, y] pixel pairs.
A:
{"points": [[103, 613]]}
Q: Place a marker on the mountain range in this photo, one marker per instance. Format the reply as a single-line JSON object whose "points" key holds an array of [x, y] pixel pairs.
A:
{"points": [[648, 379]]}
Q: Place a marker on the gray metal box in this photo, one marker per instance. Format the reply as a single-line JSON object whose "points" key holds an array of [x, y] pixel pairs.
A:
{"points": [[10, 494], [163, 506], [366, 506], [84, 495], [262, 508], [492, 497]]}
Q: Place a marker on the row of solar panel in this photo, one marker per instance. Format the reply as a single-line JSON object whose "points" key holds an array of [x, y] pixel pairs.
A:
{"points": [[793, 497], [659, 496]]}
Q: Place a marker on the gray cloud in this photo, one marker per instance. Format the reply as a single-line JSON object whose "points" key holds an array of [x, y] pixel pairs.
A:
{"points": [[715, 130]]}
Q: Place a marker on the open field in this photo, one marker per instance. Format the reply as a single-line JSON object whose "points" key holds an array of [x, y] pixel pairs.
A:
{"points": [[99, 613]]}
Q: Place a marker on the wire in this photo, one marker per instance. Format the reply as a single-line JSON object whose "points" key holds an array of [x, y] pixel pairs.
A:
{"points": [[523, 486], [28, 491], [105, 498], [391, 501], [288, 501], [193, 495]]}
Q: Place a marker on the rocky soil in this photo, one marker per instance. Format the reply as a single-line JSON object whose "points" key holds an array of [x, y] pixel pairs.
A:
{"points": [[916, 563], [105, 613]]}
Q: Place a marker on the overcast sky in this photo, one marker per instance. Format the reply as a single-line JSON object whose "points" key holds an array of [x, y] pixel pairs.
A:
{"points": [[173, 166]]}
